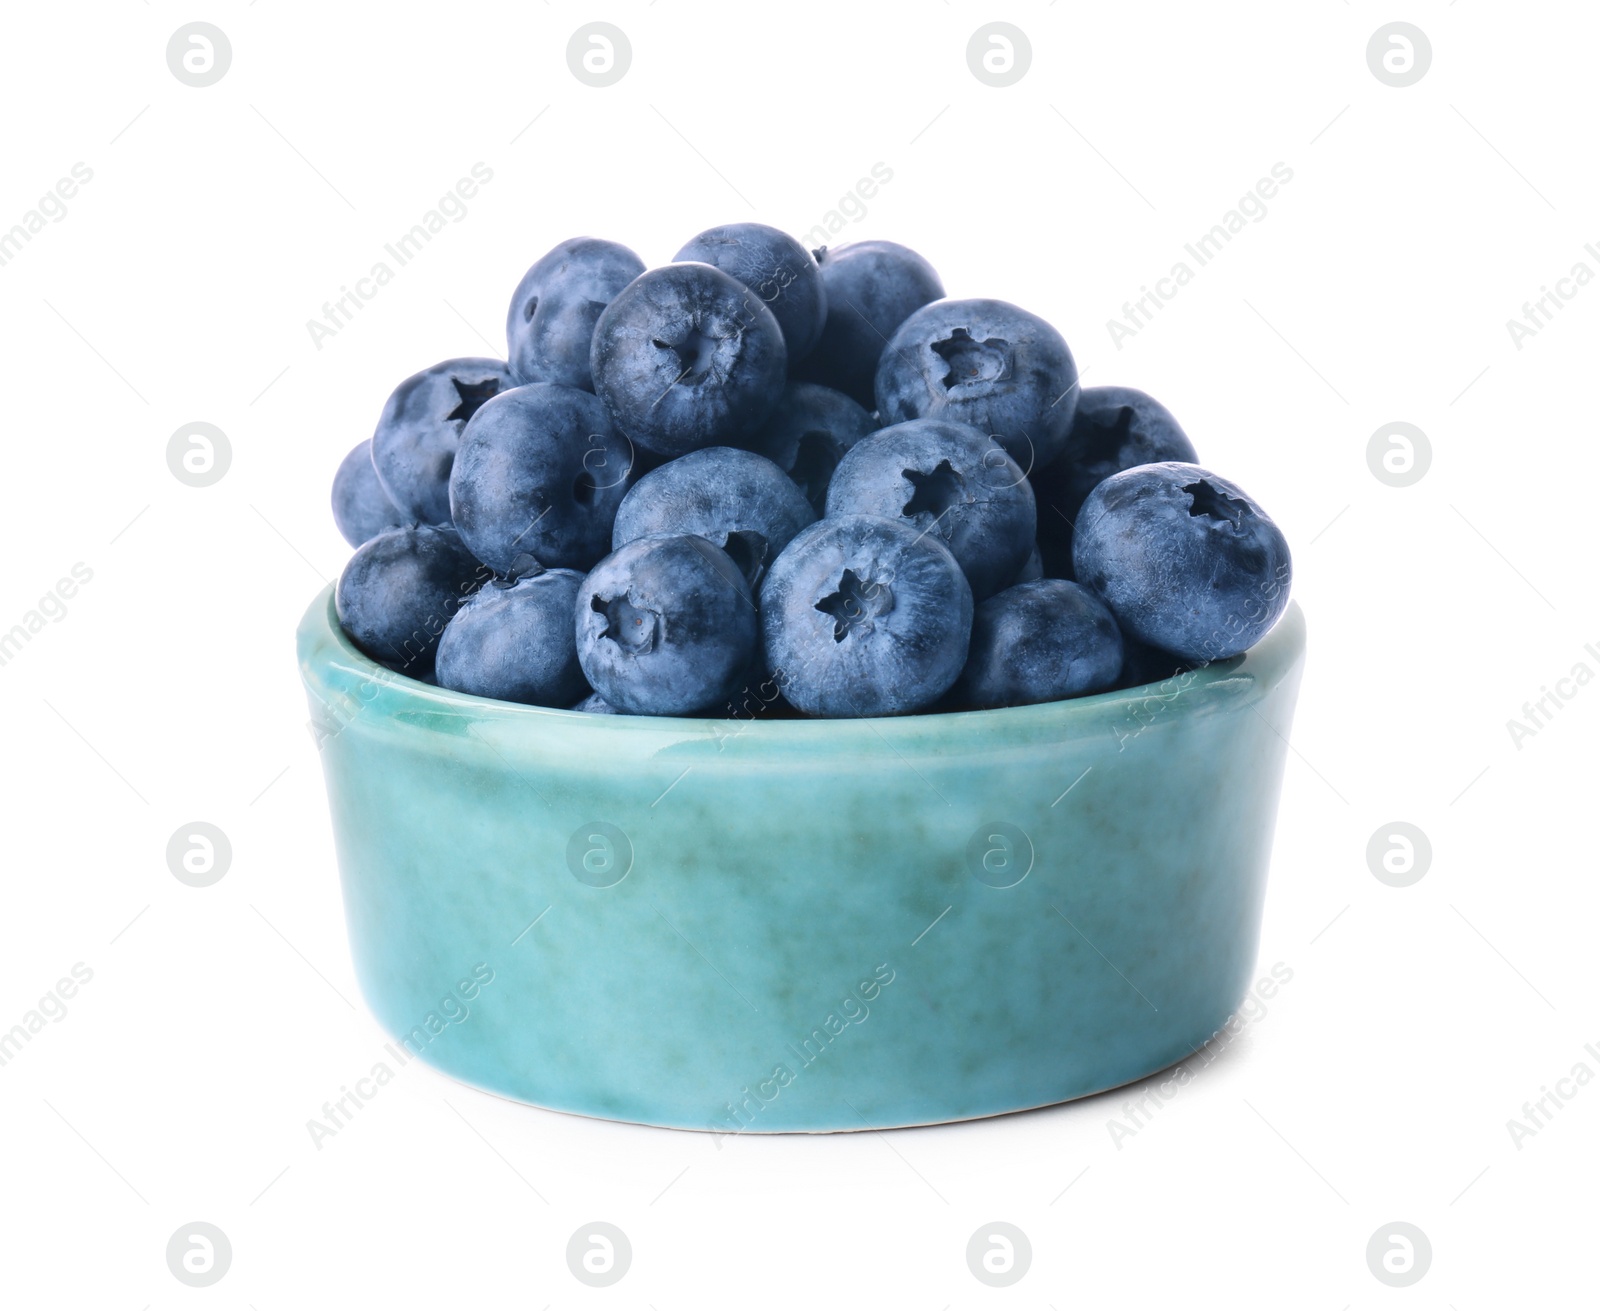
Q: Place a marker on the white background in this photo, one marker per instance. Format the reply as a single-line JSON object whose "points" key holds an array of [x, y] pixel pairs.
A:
{"points": [[1378, 1085]]}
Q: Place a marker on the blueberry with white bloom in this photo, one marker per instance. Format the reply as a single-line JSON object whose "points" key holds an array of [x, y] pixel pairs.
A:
{"points": [[1185, 559], [1041, 641], [551, 319], [541, 472], [686, 357], [988, 363], [414, 445], [400, 589], [361, 508], [513, 640], [666, 625], [863, 615]]}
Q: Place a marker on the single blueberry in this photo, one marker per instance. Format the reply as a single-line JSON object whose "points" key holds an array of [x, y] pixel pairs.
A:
{"points": [[808, 434], [871, 288], [541, 471], [686, 357], [400, 589], [1041, 641], [513, 640], [361, 508], [419, 431], [1185, 559], [951, 482], [1114, 428], [865, 616], [553, 311], [777, 268], [665, 626], [735, 499], [985, 362]]}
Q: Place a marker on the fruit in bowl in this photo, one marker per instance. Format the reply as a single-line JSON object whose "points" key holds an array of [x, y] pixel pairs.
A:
{"points": [[660, 626]]}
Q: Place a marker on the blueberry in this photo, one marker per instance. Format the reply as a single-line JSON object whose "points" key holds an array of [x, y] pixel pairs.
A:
{"points": [[777, 268], [687, 357], [420, 429], [1185, 559], [541, 471], [513, 640], [553, 311], [808, 434], [361, 508], [665, 626], [595, 704], [735, 499], [985, 362], [865, 616], [871, 287], [1039, 641], [1114, 428], [400, 589], [951, 482]]}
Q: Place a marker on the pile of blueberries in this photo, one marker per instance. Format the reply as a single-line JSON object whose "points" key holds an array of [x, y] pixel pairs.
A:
{"points": [[762, 478]]}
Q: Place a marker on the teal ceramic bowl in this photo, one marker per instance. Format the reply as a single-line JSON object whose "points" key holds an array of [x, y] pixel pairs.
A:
{"points": [[774, 925]]}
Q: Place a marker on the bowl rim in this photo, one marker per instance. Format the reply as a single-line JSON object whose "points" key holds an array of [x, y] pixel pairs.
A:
{"points": [[325, 648]]}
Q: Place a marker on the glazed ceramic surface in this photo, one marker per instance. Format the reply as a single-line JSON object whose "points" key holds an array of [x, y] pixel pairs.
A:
{"points": [[767, 925]]}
